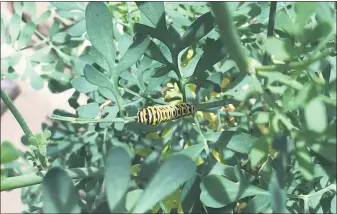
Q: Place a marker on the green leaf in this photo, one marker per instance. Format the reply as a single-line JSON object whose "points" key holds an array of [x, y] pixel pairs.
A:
{"points": [[131, 198], [261, 117], [154, 11], [259, 151], [69, 5], [154, 53], [178, 17], [190, 201], [217, 191], [212, 54], [257, 204], [9, 152], [96, 78], [166, 181], [14, 27], [285, 23], [58, 193], [58, 86], [266, 170], [107, 93], [303, 12], [77, 29], [325, 150], [55, 27], [281, 49], [43, 17], [18, 8], [101, 35], [89, 111], [117, 176], [26, 33], [333, 204], [124, 42], [133, 54], [318, 33], [236, 141], [192, 151], [240, 142], [61, 37], [198, 29], [30, 7], [305, 163], [278, 195], [82, 85], [36, 81], [316, 115]]}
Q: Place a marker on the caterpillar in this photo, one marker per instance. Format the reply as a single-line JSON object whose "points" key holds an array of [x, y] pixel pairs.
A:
{"points": [[154, 115]]}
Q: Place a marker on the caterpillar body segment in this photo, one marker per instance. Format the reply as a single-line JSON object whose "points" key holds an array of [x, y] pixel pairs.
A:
{"points": [[154, 115]]}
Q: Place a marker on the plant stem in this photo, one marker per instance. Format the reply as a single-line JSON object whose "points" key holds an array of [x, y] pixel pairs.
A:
{"points": [[86, 121], [7, 100], [295, 65], [37, 178], [202, 136], [130, 20], [270, 31], [215, 104], [229, 34]]}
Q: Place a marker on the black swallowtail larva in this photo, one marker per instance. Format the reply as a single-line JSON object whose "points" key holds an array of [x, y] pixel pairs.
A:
{"points": [[153, 115]]}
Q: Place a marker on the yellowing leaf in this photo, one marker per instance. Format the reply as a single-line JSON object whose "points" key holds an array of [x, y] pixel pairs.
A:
{"points": [[165, 132], [152, 136], [143, 152], [216, 155], [173, 201], [186, 57], [199, 161], [262, 128], [225, 82], [135, 169]]}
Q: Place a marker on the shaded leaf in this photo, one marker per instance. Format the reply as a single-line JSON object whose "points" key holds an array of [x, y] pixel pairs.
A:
{"points": [[257, 204], [58, 193], [198, 29], [217, 191], [154, 53], [259, 151], [133, 54], [165, 181], [30, 7], [305, 163], [277, 195], [154, 11], [212, 54], [117, 176]]}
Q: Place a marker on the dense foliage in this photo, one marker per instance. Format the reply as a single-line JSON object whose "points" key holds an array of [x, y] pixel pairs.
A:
{"points": [[261, 75]]}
